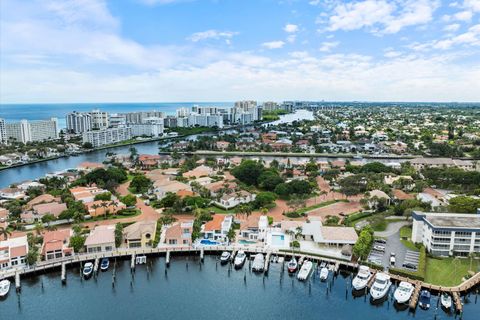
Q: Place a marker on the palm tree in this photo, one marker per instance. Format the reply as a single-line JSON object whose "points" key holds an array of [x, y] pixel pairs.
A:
{"points": [[95, 207], [5, 232], [104, 205], [39, 228], [298, 232], [114, 205]]}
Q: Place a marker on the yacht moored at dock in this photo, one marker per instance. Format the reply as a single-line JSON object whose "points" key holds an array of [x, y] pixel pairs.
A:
{"points": [[380, 286], [225, 257], [324, 272], [361, 279], [4, 287], [258, 263], [292, 265], [424, 301], [240, 259], [305, 270], [446, 301], [403, 293], [104, 264], [87, 270]]}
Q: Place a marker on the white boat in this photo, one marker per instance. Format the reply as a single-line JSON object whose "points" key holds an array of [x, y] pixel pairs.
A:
{"points": [[240, 259], [292, 265], [380, 286], [403, 293], [324, 274], [225, 257], [361, 279], [87, 269], [446, 300], [4, 287], [305, 270], [258, 263], [104, 264]]}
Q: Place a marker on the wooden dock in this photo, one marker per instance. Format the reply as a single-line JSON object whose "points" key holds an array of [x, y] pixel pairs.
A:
{"points": [[372, 279], [267, 262], [17, 281], [95, 266], [415, 295], [132, 262]]}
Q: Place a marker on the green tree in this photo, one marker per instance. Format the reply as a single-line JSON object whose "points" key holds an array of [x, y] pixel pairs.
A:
{"points": [[129, 200], [118, 234], [464, 204], [264, 199], [77, 242], [106, 196], [5, 233], [248, 171], [140, 184]]}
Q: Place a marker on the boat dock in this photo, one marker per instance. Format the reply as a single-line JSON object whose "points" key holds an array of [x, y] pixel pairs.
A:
{"points": [[415, 295], [267, 261], [64, 273], [17, 281], [95, 265]]}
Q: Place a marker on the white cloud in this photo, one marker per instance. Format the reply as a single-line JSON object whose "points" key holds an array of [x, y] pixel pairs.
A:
{"points": [[328, 46], [452, 27], [470, 38], [463, 15], [381, 16], [291, 38], [273, 44], [212, 34], [291, 28]]}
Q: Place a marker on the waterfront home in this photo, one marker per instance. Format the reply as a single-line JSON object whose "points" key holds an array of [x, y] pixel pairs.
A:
{"points": [[90, 166], [179, 233], [254, 227], [86, 194], [56, 244], [330, 236], [200, 171], [44, 198], [217, 228], [219, 187], [148, 162], [4, 213], [467, 165], [13, 252], [102, 207], [447, 234], [101, 239], [233, 199], [12, 193], [140, 234], [30, 184]]}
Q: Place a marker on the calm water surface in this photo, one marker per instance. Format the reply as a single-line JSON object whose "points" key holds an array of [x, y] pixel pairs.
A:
{"points": [[209, 292]]}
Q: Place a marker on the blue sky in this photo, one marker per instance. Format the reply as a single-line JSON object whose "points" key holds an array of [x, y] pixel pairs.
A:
{"points": [[226, 50]]}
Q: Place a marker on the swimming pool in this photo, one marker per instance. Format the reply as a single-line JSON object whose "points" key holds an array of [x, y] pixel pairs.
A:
{"points": [[278, 239], [208, 242]]}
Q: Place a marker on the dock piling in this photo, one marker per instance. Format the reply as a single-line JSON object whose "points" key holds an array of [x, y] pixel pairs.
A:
{"points": [[17, 282], [167, 260], [64, 273]]}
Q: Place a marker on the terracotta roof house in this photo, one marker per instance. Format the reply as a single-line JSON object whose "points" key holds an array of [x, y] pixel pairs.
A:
{"points": [[86, 194], [200, 171], [179, 233], [12, 193], [148, 162], [102, 207], [140, 234], [170, 186], [55, 244], [89, 166], [4, 214], [13, 252], [233, 199], [217, 228], [54, 208], [101, 239], [254, 227], [399, 195], [44, 198], [218, 186]]}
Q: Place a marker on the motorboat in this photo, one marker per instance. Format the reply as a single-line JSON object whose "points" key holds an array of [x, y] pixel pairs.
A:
{"points": [[424, 301], [305, 270], [403, 293], [240, 259], [324, 273], [360, 281], [4, 287], [446, 301], [104, 264], [258, 263], [292, 265], [380, 286], [225, 257], [87, 269]]}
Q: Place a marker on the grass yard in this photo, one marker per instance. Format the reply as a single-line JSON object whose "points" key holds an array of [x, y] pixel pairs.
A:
{"points": [[316, 206], [406, 232], [448, 271], [220, 210]]}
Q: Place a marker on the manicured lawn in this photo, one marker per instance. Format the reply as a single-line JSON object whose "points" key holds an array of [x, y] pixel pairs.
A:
{"points": [[316, 206], [117, 216], [406, 232], [220, 210], [448, 271], [409, 244]]}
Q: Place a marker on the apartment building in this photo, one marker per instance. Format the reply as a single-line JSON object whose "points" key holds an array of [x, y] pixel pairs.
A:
{"points": [[103, 137], [99, 119], [152, 127], [78, 122], [447, 234], [27, 131], [3, 131], [141, 116], [13, 252]]}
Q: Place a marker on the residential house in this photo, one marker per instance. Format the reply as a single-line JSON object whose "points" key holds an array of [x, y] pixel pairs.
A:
{"points": [[56, 244], [102, 207], [30, 184], [179, 233], [254, 227], [375, 196], [101, 239], [86, 194], [432, 196], [90, 166], [140, 234], [12, 193], [148, 162], [330, 236], [233, 199], [399, 195], [222, 145], [4, 213], [421, 163], [200, 171], [217, 228], [13, 252], [161, 188], [44, 198]]}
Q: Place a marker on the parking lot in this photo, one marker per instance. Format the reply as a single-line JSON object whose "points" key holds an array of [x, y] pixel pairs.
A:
{"points": [[390, 252]]}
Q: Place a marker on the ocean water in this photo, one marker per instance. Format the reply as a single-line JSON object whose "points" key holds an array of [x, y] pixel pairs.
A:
{"points": [[16, 112], [190, 290]]}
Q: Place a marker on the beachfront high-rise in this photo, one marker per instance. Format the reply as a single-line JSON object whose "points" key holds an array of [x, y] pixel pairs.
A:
{"points": [[28, 131], [3, 131], [79, 122]]}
